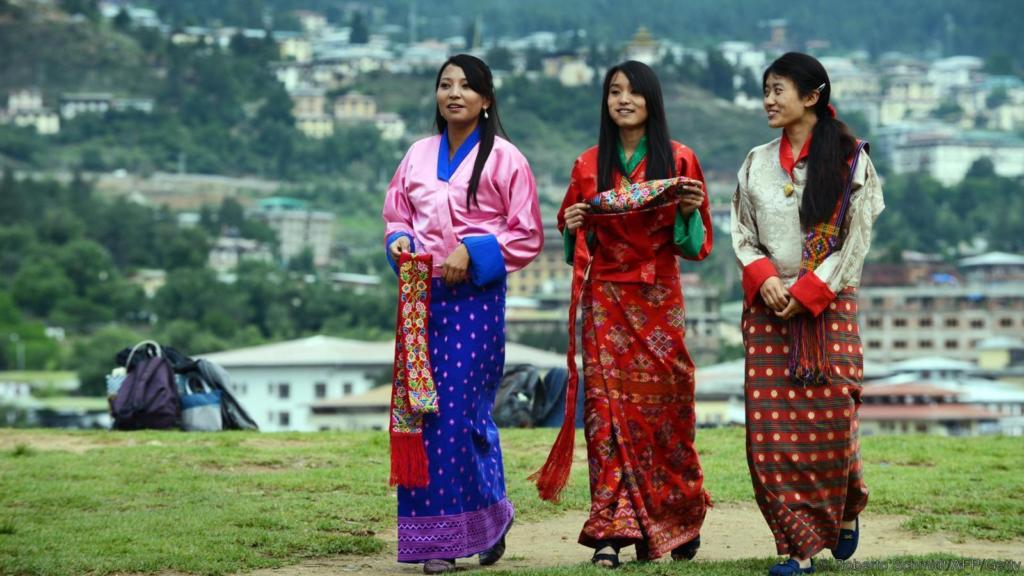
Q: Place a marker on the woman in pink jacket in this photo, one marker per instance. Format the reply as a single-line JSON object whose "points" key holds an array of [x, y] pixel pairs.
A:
{"points": [[468, 198]]}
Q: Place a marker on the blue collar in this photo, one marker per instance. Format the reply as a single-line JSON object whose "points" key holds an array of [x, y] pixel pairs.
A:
{"points": [[446, 168]]}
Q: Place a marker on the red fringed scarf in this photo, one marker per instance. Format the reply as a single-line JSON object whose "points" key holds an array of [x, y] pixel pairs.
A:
{"points": [[554, 474], [413, 393], [808, 355]]}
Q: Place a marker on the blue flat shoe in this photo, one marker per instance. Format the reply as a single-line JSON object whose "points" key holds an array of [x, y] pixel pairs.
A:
{"points": [[790, 568], [848, 540]]}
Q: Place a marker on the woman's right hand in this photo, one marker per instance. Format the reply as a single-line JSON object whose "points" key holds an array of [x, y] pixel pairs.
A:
{"points": [[775, 294], [400, 245], [575, 215]]}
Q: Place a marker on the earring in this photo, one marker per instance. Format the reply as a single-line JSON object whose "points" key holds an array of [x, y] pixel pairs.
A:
{"points": [[485, 114]]}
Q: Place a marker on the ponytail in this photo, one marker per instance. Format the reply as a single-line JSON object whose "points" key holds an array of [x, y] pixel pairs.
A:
{"points": [[832, 142]]}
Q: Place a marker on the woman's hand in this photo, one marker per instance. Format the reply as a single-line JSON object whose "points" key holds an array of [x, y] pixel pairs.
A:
{"points": [[792, 309], [692, 196], [456, 266], [400, 245], [775, 294], [575, 215]]}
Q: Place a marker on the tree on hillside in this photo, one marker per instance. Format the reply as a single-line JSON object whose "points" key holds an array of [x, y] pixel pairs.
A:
{"points": [[122, 21], [360, 31], [474, 34], [499, 58], [40, 284], [18, 241], [24, 344], [719, 76], [88, 8], [87, 264], [93, 357], [981, 168]]}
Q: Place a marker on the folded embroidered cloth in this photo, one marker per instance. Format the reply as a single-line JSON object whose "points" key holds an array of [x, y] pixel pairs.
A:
{"points": [[631, 196]]}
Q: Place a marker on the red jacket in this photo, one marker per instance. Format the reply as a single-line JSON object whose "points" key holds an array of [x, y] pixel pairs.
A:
{"points": [[635, 246]]}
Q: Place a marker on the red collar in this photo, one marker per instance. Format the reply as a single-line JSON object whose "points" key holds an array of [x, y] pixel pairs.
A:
{"points": [[786, 158]]}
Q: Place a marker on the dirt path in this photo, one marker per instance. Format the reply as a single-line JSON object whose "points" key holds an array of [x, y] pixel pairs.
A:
{"points": [[731, 531]]}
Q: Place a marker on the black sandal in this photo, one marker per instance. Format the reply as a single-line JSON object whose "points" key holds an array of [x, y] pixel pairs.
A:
{"points": [[643, 551], [611, 559], [686, 551]]}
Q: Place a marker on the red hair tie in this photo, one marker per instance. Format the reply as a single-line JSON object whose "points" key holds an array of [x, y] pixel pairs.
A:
{"points": [[831, 110]]}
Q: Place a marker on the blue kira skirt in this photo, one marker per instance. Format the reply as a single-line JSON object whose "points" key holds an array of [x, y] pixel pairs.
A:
{"points": [[464, 511]]}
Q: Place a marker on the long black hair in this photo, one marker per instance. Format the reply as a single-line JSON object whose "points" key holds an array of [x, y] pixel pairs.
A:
{"points": [[660, 160], [479, 78], [832, 141]]}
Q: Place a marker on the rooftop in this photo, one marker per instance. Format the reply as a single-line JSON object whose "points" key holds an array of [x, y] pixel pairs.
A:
{"points": [[1000, 343], [328, 351], [934, 412], [282, 203], [905, 389], [931, 363], [993, 259]]}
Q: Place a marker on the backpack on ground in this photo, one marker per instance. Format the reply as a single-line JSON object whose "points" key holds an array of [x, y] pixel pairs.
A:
{"points": [[513, 406], [202, 387], [233, 414], [147, 398], [549, 406]]}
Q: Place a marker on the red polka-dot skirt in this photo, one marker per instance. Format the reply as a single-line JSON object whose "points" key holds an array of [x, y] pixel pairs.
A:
{"points": [[802, 446]]}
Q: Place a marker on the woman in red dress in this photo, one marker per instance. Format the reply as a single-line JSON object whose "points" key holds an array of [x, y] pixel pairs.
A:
{"points": [[646, 483]]}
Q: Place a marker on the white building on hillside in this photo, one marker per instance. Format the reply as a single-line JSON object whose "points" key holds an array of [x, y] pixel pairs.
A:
{"points": [[25, 108], [954, 71], [298, 228], [279, 383], [948, 156]]}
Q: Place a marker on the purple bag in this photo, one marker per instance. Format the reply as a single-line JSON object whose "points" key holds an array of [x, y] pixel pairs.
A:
{"points": [[148, 398]]}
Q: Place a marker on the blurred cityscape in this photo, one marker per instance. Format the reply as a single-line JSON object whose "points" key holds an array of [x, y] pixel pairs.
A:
{"points": [[307, 342]]}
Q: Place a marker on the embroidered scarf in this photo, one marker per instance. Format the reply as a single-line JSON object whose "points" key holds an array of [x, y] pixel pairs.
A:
{"points": [[638, 195], [808, 354], [553, 475], [413, 393]]}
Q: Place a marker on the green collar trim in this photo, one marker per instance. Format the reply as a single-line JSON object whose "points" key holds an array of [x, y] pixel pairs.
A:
{"points": [[633, 161]]}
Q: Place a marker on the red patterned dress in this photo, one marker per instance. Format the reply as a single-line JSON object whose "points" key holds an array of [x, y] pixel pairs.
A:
{"points": [[646, 483]]}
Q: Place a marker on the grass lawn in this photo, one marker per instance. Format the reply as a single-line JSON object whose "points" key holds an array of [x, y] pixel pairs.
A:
{"points": [[227, 502]]}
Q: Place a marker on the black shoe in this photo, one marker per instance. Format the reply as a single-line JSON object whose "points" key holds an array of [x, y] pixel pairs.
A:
{"points": [[643, 551], [686, 551], [494, 553], [612, 559]]}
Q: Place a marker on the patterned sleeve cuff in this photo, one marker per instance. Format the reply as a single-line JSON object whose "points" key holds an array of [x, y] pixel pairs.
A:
{"points": [[391, 239], [486, 262], [814, 294], [754, 274]]}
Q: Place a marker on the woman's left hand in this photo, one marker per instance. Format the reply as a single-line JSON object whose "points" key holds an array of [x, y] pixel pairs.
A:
{"points": [[793, 308], [456, 266], [692, 196]]}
